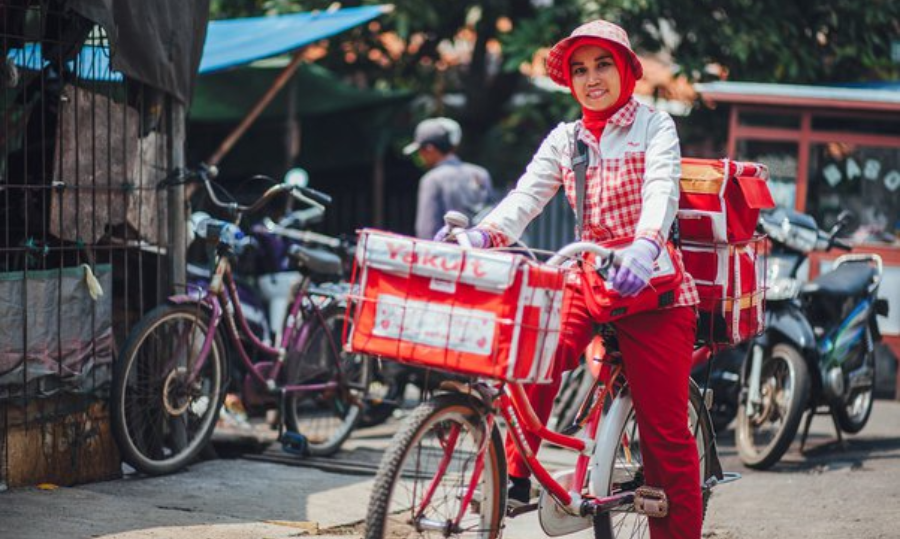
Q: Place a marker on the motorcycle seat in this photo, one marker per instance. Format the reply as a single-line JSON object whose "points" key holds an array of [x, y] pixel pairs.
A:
{"points": [[848, 280], [323, 265]]}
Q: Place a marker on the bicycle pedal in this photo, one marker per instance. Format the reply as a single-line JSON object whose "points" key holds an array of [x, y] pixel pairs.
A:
{"points": [[295, 443], [512, 512], [651, 501]]}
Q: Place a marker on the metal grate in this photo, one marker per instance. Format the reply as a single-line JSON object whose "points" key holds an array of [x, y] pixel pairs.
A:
{"points": [[82, 150]]}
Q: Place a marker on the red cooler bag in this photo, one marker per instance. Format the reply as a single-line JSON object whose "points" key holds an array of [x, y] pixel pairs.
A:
{"points": [[721, 199], [474, 312], [730, 281]]}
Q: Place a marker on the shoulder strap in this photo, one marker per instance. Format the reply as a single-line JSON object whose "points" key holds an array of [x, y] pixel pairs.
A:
{"points": [[579, 167]]}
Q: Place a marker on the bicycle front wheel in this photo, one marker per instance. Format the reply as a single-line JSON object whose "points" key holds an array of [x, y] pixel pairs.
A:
{"points": [[162, 413], [627, 466], [425, 476], [326, 418]]}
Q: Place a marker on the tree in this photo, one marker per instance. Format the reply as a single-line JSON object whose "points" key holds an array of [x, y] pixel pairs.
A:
{"points": [[799, 41], [466, 55]]}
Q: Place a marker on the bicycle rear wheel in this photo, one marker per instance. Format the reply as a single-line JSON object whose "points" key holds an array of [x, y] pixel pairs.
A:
{"points": [[326, 418], [160, 418], [426, 473], [627, 468]]}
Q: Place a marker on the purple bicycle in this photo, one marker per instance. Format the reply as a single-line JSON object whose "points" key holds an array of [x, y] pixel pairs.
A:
{"points": [[170, 380]]}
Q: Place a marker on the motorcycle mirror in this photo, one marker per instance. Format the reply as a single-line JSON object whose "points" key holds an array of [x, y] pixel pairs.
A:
{"points": [[297, 177], [844, 219]]}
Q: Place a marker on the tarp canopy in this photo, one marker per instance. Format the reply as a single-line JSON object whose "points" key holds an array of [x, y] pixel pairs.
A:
{"points": [[229, 43], [227, 96], [235, 42], [343, 125], [157, 42]]}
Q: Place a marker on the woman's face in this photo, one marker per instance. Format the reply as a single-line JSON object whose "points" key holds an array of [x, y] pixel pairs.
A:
{"points": [[595, 78]]}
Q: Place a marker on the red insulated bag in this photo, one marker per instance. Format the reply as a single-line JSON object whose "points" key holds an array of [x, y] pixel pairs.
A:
{"points": [[717, 215], [721, 199]]}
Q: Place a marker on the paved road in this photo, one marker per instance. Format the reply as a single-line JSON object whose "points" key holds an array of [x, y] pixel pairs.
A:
{"points": [[829, 493]]}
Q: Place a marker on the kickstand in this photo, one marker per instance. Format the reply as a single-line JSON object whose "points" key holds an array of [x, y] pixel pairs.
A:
{"points": [[806, 424], [837, 428]]}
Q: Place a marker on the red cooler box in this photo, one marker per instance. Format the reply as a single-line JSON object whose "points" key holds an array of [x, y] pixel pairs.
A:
{"points": [[721, 199], [730, 281], [475, 312]]}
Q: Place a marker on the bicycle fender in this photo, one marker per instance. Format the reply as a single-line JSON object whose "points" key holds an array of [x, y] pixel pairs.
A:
{"points": [[187, 299], [210, 304], [606, 442]]}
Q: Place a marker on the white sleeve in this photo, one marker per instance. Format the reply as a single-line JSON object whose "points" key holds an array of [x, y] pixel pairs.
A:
{"points": [[662, 173]]}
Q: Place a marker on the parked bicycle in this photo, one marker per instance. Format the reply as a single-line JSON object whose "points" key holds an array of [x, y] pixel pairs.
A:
{"points": [[171, 376], [445, 471]]}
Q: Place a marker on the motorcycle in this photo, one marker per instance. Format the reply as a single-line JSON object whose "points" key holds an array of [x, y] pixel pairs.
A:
{"points": [[816, 355]]}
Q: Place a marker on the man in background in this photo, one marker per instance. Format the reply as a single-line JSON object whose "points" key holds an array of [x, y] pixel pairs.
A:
{"points": [[450, 183]]}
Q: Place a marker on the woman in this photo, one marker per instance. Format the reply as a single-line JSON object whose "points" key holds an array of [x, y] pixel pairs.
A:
{"points": [[631, 192]]}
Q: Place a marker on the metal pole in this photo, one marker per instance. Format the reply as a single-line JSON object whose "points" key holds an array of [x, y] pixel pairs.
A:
{"points": [[177, 205], [257, 109]]}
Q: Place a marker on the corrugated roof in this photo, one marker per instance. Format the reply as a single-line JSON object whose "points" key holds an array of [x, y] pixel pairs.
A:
{"points": [[795, 94]]}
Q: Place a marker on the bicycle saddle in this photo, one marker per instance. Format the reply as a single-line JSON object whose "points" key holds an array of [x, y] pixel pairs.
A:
{"points": [[321, 265]]}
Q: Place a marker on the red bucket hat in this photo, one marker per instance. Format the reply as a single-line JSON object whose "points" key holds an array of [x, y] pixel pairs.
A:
{"points": [[600, 29]]}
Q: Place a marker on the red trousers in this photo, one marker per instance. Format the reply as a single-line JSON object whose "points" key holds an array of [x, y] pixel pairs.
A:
{"points": [[656, 350]]}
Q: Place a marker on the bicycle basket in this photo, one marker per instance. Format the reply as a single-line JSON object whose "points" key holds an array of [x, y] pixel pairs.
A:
{"points": [[484, 313], [731, 283]]}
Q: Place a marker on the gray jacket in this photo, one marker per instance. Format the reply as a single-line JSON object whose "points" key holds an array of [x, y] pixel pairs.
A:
{"points": [[450, 185]]}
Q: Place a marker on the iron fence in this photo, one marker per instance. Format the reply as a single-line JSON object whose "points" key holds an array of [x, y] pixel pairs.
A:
{"points": [[83, 227]]}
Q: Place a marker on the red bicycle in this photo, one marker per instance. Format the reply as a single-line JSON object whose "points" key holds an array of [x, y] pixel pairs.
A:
{"points": [[446, 473]]}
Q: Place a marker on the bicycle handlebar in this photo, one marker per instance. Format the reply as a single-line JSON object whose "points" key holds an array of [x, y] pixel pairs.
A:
{"points": [[308, 195], [607, 257], [301, 235]]}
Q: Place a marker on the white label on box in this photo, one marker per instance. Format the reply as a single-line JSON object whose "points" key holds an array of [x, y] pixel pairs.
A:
{"points": [[440, 285], [402, 255], [434, 324]]}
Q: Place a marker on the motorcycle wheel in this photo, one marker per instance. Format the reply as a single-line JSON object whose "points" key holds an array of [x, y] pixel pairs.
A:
{"points": [[576, 386], [853, 411], [765, 432]]}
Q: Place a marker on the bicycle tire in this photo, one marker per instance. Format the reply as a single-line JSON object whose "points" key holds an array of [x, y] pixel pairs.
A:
{"points": [[160, 423], [773, 391], [325, 418], [388, 502], [625, 522]]}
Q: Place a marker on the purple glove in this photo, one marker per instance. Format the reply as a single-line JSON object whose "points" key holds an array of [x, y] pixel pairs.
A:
{"points": [[634, 272], [442, 234], [479, 239]]}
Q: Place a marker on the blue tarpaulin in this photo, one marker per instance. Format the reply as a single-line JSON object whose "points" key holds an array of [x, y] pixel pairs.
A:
{"points": [[235, 42], [229, 43]]}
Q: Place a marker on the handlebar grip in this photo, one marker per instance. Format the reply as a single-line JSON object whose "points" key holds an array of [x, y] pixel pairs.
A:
{"points": [[318, 196], [455, 219]]}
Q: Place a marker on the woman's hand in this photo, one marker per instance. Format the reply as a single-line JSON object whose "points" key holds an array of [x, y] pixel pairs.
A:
{"points": [[633, 273], [478, 239]]}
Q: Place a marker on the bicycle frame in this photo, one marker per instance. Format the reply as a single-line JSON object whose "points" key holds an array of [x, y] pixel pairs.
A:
{"points": [[515, 408], [518, 413], [222, 293]]}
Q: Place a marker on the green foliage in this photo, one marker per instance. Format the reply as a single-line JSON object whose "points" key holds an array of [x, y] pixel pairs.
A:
{"points": [[800, 41]]}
